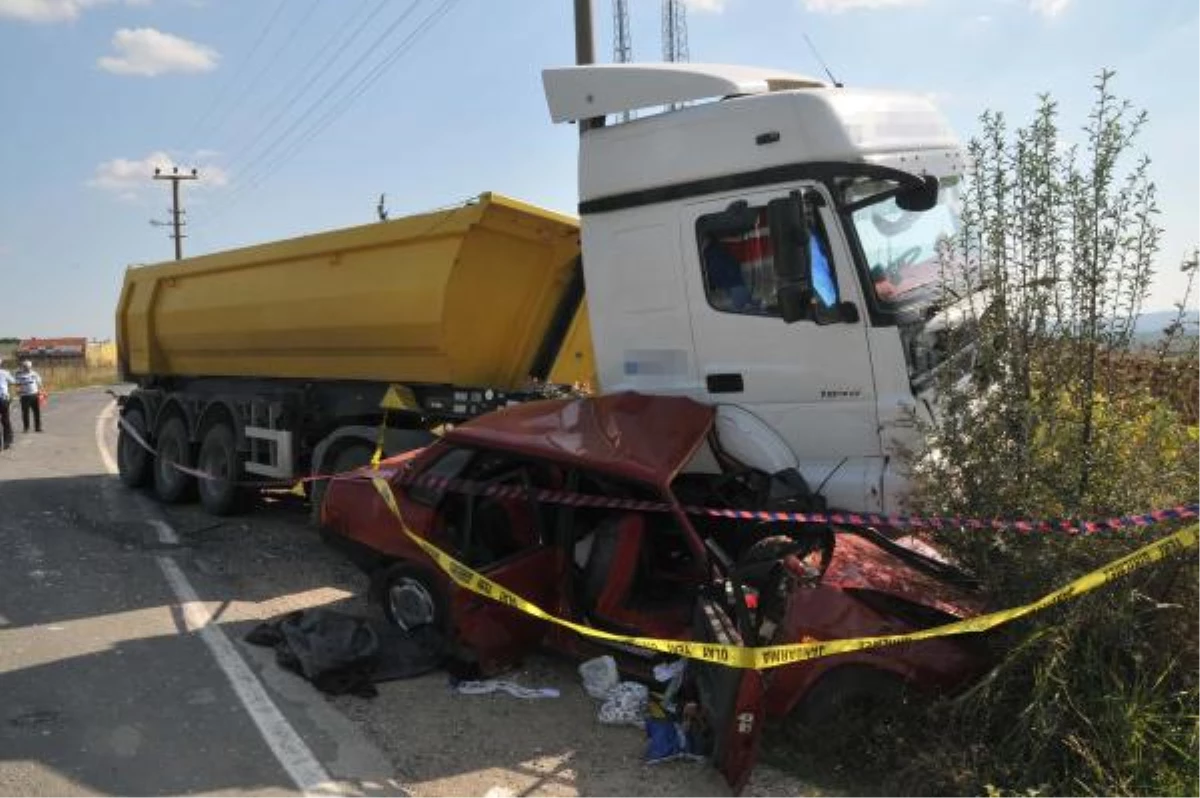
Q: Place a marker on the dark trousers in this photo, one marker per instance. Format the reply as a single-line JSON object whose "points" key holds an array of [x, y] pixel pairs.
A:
{"points": [[30, 404], [6, 433]]}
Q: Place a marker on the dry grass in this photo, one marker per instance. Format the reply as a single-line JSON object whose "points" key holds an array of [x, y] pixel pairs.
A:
{"points": [[63, 376]]}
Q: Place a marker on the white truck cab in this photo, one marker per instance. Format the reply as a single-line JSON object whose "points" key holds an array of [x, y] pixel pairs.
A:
{"points": [[772, 248]]}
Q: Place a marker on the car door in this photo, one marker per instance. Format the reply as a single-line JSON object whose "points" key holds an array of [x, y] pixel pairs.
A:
{"points": [[507, 540], [731, 699], [812, 384]]}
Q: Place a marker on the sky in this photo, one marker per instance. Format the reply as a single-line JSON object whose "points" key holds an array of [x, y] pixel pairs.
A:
{"points": [[298, 114]]}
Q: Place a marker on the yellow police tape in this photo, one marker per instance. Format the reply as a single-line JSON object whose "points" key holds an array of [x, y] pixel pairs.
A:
{"points": [[764, 657]]}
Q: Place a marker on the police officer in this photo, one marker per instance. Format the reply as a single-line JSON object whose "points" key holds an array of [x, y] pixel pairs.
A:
{"points": [[6, 431], [29, 386]]}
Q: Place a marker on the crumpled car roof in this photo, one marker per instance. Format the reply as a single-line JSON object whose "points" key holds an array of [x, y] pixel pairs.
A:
{"points": [[631, 435]]}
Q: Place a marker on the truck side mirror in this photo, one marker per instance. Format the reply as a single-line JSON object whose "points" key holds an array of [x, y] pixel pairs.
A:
{"points": [[788, 220], [920, 197]]}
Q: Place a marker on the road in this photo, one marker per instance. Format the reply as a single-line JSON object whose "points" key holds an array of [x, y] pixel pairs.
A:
{"points": [[123, 671]]}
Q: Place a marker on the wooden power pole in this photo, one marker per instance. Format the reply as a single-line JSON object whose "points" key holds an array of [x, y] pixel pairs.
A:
{"points": [[177, 222]]}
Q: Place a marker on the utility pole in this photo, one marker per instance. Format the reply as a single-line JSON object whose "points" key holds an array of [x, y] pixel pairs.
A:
{"points": [[674, 35], [176, 212], [674, 31], [622, 41], [585, 52]]}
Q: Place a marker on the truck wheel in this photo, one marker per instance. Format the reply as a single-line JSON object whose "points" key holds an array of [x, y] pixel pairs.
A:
{"points": [[134, 462], [348, 458], [410, 598], [219, 457], [170, 484]]}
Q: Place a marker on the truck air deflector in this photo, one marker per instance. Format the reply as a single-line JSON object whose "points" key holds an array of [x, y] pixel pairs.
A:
{"points": [[583, 92]]}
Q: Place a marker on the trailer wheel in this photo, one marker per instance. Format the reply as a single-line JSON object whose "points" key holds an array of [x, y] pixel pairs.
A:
{"points": [[348, 458], [170, 484], [134, 462], [221, 494]]}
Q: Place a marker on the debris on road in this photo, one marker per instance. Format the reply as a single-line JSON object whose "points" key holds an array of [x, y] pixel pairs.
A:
{"points": [[343, 654], [497, 685]]}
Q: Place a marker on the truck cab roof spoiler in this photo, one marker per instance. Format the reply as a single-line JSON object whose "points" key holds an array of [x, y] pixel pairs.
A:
{"points": [[583, 92]]}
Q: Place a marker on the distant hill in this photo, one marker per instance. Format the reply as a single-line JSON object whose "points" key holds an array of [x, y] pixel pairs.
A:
{"points": [[1152, 323]]}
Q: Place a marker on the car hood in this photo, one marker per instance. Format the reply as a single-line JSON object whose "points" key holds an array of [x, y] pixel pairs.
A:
{"points": [[631, 435], [857, 563]]}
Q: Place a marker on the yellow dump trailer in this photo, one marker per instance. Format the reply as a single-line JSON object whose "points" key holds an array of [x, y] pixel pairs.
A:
{"points": [[462, 297], [278, 360]]}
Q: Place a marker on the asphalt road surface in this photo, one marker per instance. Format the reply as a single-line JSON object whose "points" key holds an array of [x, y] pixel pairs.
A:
{"points": [[112, 679], [123, 671]]}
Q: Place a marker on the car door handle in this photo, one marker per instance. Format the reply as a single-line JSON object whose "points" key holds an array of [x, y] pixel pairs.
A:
{"points": [[725, 383]]}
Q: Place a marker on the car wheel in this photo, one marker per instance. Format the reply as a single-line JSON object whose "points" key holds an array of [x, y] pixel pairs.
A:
{"points": [[220, 493], [348, 458], [411, 600], [170, 484], [851, 718], [852, 694], [134, 461]]}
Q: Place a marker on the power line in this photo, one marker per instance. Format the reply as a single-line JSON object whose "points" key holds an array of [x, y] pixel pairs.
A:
{"points": [[308, 112], [223, 92], [303, 84], [287, 41], [366, 82], [267, 170]]}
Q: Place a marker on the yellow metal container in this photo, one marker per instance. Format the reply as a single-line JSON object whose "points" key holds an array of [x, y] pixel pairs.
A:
{"points": [[464, 297]]}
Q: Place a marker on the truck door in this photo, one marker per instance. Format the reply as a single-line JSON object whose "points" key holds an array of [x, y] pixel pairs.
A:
{"points": [[811, 384]]}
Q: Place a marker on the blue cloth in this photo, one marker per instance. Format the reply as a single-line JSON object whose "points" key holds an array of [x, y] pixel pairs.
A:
{"points": [[822, 273]]}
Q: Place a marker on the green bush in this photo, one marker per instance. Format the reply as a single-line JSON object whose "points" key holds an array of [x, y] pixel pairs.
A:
{"points": [[1098, 696]]}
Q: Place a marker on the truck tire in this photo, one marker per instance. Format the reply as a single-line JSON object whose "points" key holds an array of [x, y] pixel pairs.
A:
{"points": [[170, 484], [219, 457], [349, 457], [134, 463]]}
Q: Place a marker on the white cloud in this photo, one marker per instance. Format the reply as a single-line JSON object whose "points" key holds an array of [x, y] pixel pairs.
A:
{"points": [[706, 6], [838, 6], [1049, 8], [55, 10], [148, 52], [127, 178]]}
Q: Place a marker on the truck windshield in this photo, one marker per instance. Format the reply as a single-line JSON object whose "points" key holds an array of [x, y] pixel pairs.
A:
{"points": [[902, 247]]}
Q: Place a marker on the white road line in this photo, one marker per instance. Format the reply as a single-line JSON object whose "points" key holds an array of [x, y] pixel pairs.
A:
{"points": [[102, 422], [291, 751], [283, 740], [166, 535]]}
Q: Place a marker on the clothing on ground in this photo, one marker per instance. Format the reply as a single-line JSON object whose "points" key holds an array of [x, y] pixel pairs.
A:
{"points": [[345, 654]]}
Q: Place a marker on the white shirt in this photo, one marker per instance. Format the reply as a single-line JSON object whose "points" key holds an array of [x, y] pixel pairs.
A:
{"points": [[28, 383], [5, 379]]}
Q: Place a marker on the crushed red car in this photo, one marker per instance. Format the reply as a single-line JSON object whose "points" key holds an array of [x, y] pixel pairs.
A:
{"points": [[655, 573]]}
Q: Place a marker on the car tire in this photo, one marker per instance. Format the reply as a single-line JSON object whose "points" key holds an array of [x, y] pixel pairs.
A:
{"points": [[221, 494], [348, 458], [848, 693], [135, 464], [410, 597], [171, 485], [851, 717]]}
